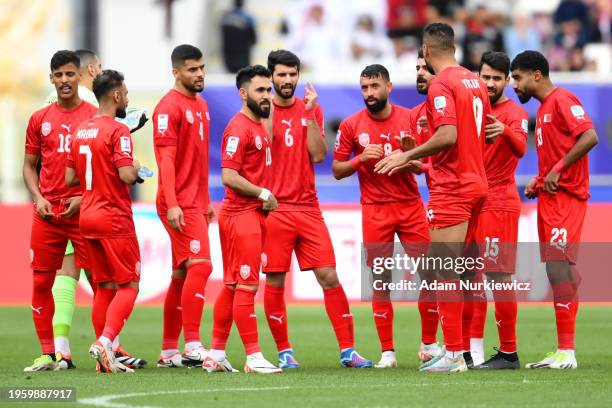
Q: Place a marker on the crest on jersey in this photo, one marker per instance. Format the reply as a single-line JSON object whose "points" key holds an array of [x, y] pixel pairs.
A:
{"points": [[245, 271], [577, 111], [162, 122], [440, 103], [194, 246], [189, 116], [547, 118], [525, 125], [364, 139], [45, 128], [258, 143]]}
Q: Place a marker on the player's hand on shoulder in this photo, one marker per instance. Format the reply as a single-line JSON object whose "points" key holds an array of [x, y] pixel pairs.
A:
{"points": [[270, 204], [73, 205], [372, 151], [176, 219], [310, 97], [43, 208], [530, 189], [493, 129]]}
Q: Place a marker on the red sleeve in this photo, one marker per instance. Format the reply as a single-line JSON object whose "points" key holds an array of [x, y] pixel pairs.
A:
{"points": [[32, 145], [572, 114], [516, 131], [233, 147], [70, 159], [441, 104], [344, 142], [122, 147], [319, 118], [166, 124]]}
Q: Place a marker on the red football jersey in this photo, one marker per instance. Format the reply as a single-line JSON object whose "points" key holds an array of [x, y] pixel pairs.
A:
{"points": [[358, 131], [184, 122], [420, 134], [560, 119], [49, 135], [458, 97], [291, 175], [500, 160], [100, 146], [246, 149]]}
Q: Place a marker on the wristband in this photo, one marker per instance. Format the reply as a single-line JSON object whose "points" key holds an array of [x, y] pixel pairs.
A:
{"points": [[264, 195], [356, 162], [310, 115], [560, 166]]}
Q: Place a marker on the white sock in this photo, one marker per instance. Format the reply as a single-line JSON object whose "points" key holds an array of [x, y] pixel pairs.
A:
{"points": [[62, 345], [192, 345], [253, 356], [477, 346], [116, 343], [282, 351], [569, 352], [344, 349], [218, 355], [453, 354], [169, 353], [106, 342]]}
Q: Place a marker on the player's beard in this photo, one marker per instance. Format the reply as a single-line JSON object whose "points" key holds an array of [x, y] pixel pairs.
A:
{"points": [[377, 106], [257, 109], [422, 91], [121, 112], [279, 91], [524, 98], [496, 95], [195, 87]]}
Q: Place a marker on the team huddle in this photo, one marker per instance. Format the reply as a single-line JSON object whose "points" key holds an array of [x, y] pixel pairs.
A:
{"points": [[467, 138]]}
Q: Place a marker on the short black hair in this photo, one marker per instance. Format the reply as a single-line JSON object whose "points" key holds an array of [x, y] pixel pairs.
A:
{"points": [[420, 53], [245, 74], [496, 60], [283, 57], [440, 36], [64, 57], [184, 52], [86, 56], [108, 80], [376, 71], [530, 61]]}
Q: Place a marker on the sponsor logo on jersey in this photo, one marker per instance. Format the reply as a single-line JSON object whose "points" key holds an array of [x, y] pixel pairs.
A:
{"points": [[387, 136], [189, 116], [194, 246], [286, 122], [126, 144], [547, 118], [245, 271], [67, 127], [364, 139], [258, 143], [525, 125], [45, 128], [440, 103], [232, 145], [162, 122], [577, 111]]}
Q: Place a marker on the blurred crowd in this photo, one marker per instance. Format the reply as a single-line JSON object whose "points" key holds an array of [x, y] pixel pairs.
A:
{"points": [[574, 34]]}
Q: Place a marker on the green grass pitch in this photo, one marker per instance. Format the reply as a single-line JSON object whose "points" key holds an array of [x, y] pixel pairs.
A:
{"points": [[320, 381]]}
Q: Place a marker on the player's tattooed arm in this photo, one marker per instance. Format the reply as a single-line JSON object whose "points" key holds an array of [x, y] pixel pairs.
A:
{"points": [[585, 142], [30, 177], [232, 179]]}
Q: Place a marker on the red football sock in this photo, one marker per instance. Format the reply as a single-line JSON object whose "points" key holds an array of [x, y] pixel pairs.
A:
{"points": [[192, 299], [104, 297], [382, 308], [246, 320], [173, 317], [119, 310], [222, 318], [450, 308], [43, 309], [428, 309], [276, 314], [505, 319], [466, 318], [565, 304], [337, 308]]}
